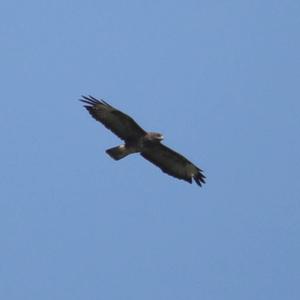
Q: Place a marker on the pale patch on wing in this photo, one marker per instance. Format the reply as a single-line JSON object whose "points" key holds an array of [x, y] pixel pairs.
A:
{"points": [[191, 170]]}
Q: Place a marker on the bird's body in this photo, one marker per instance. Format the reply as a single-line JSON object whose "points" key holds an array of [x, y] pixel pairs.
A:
{"points": [[138, 145], [137, 140]]}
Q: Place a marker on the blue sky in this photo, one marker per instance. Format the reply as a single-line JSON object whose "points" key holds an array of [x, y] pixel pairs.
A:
{"points": [[220, 80]]}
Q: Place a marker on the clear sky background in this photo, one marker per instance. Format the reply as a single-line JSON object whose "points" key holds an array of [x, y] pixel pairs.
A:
{"points": [[220, 80]]}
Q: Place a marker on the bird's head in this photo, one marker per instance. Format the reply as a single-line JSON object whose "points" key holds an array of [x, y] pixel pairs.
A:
{"points": [[154, 137]]}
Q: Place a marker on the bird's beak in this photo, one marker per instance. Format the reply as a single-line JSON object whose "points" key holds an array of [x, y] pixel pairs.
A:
{"points": [[161, 137]]}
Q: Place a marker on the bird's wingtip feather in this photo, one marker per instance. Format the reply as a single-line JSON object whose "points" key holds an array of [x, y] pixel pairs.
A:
{"points": [[92, 100]]}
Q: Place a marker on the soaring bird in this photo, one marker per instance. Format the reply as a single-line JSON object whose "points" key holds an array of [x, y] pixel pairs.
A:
{"points": [[137, 140]]}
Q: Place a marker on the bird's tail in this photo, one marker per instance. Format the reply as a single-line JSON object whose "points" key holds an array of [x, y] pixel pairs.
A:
{"points": [[119, 152]]}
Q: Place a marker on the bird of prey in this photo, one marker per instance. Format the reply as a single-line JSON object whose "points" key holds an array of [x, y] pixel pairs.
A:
{"points": [[137, 140]]}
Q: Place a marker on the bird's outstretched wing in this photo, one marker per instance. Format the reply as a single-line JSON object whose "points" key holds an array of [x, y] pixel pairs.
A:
{"points": [[119, 123], [173, 163]]}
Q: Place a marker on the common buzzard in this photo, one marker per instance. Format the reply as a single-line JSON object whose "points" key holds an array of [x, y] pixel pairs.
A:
{"points": [[137, 140]]}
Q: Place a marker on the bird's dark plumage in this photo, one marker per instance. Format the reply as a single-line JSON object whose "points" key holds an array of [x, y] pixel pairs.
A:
{"points": [[137, 140], [173, 163], [119, 123]]}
